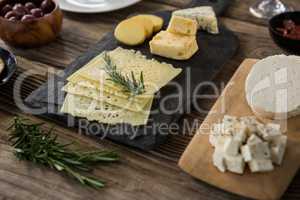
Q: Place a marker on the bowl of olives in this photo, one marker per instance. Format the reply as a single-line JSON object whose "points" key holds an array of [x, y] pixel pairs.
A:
{"points": [[29, 23]]}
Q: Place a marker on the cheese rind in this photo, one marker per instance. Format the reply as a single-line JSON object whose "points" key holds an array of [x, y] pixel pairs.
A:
{"points": [[205, 16], [182, 25], [175, 46]]}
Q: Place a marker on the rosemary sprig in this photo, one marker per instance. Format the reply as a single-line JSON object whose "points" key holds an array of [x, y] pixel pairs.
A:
{"points": [[33, 144], [129, 83]]}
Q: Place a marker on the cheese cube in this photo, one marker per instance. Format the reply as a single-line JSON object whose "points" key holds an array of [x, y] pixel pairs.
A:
{"points": [[241, 134], [231, 146], [246, 153], [175, 46], [182, 25], [254, 139], [260, 150], [204, 15], [262, 165], [278, 149], [219, 159], [269, 133], [235, 164]]}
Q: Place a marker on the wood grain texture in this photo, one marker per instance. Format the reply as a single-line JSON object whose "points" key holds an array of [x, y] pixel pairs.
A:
{"points": [[140, 175]]}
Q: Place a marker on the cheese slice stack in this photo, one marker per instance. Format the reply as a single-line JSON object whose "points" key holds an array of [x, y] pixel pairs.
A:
{"points": [[92, 95]]}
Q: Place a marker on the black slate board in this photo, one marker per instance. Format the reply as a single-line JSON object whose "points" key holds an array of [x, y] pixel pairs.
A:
{"points": [[214, 51]]}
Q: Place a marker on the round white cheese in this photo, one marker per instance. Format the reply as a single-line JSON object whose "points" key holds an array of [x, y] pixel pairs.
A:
{"points": [[273, 87]]}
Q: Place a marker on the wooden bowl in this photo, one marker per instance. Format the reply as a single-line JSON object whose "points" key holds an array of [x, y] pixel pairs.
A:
{"points": [[31, 33], [288, 44]]}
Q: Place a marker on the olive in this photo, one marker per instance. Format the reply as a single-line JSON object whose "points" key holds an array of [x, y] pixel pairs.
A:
{"points": [[28, 18], [30, 5], [47, 6], [20, 9], [37, 12], [6, 9], [10, 14], [13, 19]]}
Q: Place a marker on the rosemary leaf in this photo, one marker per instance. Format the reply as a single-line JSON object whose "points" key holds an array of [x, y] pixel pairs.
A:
{"points": [[130, 85], [33, 144]]}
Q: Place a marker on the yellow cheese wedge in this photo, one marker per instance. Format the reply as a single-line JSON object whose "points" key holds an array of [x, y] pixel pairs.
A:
{"points": [[182, 25], [146, 22], [175, 46], [131, 32], [157, 21]]}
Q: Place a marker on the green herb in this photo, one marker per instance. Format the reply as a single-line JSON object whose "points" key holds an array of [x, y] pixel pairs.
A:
{"points": [[34, 144], [130, 84]]}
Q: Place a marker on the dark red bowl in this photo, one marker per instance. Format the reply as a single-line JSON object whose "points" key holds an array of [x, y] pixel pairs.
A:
{"points": [[288, 44]]}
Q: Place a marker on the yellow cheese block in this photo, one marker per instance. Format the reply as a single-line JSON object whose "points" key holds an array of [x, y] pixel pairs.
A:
{"points": [[182, 25], [175, 46], [131, 32], [146, 22], [157, 21]]}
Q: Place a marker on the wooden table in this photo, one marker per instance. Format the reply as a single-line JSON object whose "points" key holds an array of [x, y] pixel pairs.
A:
{"points": [[139, 175]]}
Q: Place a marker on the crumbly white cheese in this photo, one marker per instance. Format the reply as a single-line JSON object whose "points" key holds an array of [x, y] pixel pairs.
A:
{"points": [[263, 165], [278, 148], [219, 160], [272, 87], [235, 164], [241, 141]]}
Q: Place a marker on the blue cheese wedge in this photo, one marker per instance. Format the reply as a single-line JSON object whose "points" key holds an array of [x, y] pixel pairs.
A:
{"points": [[175, 46], [278, 147], [182, 25], [205, 16]]}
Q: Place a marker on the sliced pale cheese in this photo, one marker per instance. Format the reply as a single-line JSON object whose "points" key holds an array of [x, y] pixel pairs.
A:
{"points": [[156, 74], [175, 46], [90, 85], [157, 21], [131, 32], [182, 25], [146, 22], [103, 112], [204, 15], [272, 87], [103, 96]]}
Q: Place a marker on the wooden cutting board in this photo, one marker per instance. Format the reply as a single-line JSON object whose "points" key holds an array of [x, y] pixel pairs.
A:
{"points": [[197, 158]]}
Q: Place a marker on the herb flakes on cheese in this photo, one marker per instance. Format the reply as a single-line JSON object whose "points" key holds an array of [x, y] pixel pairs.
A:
{"points": [[156, 74]]}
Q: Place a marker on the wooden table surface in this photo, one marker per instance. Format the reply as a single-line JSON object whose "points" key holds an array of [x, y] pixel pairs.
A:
{"points": [[139, 175]]}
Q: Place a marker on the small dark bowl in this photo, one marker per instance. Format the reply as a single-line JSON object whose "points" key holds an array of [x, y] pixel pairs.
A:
{"points": [[290, 45], [10, 65]]}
